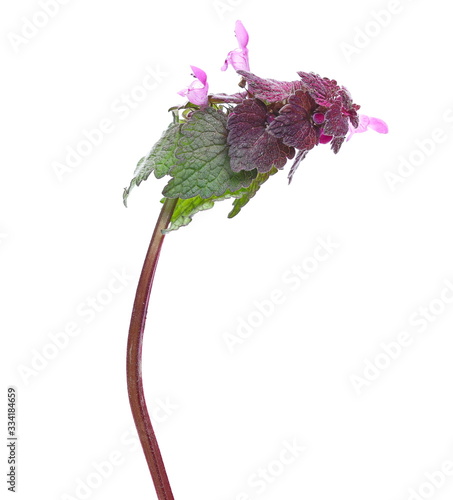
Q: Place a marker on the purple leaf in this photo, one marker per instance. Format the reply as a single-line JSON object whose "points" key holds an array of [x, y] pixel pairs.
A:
{"points": [[340, 110], [336, 143], [228, 98], [293, 125], [269, 90], [251, 145], [336, 125], [299, 157], [323, 90]]}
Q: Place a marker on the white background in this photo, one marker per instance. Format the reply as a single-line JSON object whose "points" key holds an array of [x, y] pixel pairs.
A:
{"points": [[290, 381]]}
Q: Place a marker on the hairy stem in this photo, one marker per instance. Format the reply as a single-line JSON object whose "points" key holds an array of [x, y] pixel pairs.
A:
{"points": [[134, 357]]}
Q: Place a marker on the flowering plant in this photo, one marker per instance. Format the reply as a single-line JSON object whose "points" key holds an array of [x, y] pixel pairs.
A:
{"points": [[225, 146]]}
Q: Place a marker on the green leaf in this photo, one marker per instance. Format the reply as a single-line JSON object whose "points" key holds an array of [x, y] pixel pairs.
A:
{"points": [[195, 155], [246, 194], [203, 167], [186, 209], [160, 159]]}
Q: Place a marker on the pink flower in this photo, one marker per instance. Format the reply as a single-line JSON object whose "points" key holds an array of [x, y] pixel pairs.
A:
{"points": [[318, 119], [368, 122], [239, 58], [197, 91], [325, 139]]}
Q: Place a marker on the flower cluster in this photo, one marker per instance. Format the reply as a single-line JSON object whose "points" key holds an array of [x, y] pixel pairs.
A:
{"points": [[272, 119]]}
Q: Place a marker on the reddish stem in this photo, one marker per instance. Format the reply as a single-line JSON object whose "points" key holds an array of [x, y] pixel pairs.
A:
{"points": [[134, 357]]}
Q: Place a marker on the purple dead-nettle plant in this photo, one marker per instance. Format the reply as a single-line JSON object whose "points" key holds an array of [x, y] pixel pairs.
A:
{"points": [[225, 146]]}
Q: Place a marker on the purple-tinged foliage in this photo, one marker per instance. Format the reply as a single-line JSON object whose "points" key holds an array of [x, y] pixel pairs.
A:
{"points": [[228, 98], [294, 125], [310, 111], [326, 92], [336, 125], [268, 89], [336, 103], [299, 157], [251, 144], [301, 114]]}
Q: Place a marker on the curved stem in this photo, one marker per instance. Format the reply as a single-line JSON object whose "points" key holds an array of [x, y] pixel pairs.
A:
{"points": [[134, 357]]}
